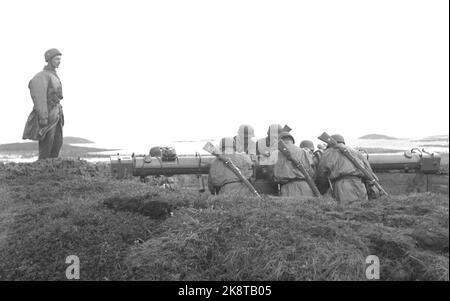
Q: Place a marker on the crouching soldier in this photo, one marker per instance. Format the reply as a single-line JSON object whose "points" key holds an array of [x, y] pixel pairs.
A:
{"points": [[341, 175], [222, 179], [292, 180]]}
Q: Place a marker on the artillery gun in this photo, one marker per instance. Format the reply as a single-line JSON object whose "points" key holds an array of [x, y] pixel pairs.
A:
{"points": [[412, 171]]}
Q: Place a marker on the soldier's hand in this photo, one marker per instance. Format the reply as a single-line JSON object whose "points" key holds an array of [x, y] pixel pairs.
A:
{"points": [[43, 122]]}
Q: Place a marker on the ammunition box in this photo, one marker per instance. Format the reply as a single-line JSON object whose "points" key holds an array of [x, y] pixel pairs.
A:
{"points": [[122, 166]]}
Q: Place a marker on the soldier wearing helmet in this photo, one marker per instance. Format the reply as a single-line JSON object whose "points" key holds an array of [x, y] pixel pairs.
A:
{"points": [[308, 146], [292, 181], [45, 123], [338, 172], [221, 180]]}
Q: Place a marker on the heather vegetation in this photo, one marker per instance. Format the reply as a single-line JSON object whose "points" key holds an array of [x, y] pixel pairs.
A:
{"points": [[125, 230]]}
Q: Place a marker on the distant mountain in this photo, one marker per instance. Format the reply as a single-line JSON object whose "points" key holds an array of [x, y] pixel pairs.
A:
{"points": [[75, 140], [30, 149], [443, 138], [13, 147], [377, 136]]}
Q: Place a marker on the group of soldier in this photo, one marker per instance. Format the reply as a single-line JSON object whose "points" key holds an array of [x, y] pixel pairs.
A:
{"points": [[332, 172]]}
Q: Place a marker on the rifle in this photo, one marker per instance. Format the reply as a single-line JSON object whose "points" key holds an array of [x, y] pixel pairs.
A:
{"points": [[210, 148], [282, 147], [286, 128], [367, 174]]}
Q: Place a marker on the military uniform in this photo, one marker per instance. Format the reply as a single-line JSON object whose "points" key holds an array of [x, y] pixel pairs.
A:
{"points": [[293, 182], [224, 181], [45, 123], [345, 178]]}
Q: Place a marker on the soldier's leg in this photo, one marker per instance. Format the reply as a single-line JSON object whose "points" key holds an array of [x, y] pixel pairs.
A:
{"points": [[57, 141], [46, 144], [350, 190], [304, 189], [284, 190], [340, 192], [289, 190], [296, 189]]}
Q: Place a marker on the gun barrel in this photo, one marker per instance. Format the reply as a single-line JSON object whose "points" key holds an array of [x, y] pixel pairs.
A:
{"points": [[405, 162], [123, 166], [141, 165]]}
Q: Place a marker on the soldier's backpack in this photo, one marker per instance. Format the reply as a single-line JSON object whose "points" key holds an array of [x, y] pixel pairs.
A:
{"points": [[168, 154]]}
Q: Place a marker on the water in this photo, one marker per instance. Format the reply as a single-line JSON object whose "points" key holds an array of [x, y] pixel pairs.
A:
{"points": [[191, 147]]}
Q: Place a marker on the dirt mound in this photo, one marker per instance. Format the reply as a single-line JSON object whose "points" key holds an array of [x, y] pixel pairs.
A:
{"points": [[147, 205], [432, 239]]}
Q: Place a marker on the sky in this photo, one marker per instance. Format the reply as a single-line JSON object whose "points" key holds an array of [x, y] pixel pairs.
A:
{"points": [[179, 70]]}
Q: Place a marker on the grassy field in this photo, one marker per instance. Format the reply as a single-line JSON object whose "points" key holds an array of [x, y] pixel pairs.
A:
{"points": [[128, 230]]}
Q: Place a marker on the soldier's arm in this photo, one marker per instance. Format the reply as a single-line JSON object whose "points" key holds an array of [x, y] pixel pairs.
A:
{"points": [[38, 90]]}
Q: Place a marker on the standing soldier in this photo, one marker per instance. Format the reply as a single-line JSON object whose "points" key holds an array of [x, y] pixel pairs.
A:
{"points": [[222, 179], [293, 182], [341, 175], [46, 121]]}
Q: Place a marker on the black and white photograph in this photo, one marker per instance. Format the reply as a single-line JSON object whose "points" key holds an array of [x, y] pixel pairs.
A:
{"points": [[224, 147]]}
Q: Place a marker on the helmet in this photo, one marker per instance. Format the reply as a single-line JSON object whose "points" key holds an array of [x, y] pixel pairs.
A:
{"points": [[226, 144], [286, 135], [155, 151], [338, 138], [246, 131], [307, 144], [51, 53], [274, 128]]}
